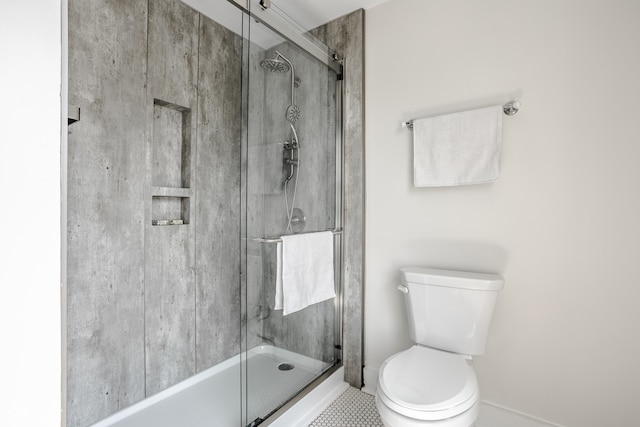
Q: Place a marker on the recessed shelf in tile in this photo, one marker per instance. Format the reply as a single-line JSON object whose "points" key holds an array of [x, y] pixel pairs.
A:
{"points": [[171, 192], [171, 145], [167, 210]]}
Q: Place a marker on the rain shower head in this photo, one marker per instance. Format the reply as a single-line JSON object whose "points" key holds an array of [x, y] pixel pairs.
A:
{"points": [[279, 64], [275, 65]]}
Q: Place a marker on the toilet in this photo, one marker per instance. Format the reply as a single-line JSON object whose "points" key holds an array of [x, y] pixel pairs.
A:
{"points": [[433, 382]]}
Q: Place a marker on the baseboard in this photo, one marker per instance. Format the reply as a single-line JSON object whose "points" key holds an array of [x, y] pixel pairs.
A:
{"points": [[493, 415]]}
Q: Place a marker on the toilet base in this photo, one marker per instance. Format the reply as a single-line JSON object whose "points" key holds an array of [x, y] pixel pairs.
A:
{"points": [[391, 418]]}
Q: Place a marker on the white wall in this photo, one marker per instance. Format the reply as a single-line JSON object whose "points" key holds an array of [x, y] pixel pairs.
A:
{"points": [[563, 221], [30, 78]]}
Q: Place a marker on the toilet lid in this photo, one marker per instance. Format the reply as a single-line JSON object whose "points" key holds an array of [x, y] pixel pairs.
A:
{"points": [[428, 383]]}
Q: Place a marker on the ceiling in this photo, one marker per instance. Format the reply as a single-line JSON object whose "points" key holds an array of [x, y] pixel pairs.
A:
{"points": [[308, 14], [312, 13]]}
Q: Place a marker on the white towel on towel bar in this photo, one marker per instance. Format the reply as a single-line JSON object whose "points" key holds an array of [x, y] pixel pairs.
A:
{"points": [[458, 148], [279, 300], [306, 274]]}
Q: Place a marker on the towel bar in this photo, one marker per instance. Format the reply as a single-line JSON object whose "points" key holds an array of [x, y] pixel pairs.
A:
{"points": [[510, 108], [277, 239]]}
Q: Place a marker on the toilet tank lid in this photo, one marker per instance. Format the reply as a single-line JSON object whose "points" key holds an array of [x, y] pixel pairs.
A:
{"points": [[452, 278]]}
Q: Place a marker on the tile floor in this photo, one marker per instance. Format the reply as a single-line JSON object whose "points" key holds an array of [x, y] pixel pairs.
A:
{"points": [[352, 408]]}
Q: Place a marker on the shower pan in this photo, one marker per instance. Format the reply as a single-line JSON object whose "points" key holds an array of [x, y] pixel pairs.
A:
{"points": [[208, 132]]}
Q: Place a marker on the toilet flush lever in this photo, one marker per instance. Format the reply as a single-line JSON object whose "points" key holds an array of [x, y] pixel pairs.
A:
{"points": [[403, 289]]}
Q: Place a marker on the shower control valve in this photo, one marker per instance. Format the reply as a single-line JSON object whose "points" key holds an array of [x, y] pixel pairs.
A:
{"points": [[291, 145]]}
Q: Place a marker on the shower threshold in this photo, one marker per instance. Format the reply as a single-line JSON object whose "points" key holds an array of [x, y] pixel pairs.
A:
{"points": [[213, 396]]}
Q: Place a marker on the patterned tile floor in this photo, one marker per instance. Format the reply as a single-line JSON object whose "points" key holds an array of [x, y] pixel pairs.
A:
{"points": [[352, 408]]}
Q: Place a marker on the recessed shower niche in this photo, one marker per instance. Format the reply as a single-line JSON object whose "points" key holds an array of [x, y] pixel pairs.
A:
{"points": [[171, 164]]}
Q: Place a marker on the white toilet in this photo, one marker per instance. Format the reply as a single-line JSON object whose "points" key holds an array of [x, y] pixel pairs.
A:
{"points": [[433, 383]]}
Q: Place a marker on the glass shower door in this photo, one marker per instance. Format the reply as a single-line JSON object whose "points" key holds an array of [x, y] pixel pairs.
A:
{"points": [[292, 188]]}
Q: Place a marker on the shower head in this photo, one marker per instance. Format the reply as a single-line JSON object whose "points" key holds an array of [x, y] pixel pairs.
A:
{"points": [[275, 65], [280, 64]]}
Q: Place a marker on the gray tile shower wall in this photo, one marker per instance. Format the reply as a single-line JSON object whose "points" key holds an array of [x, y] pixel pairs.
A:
{"points": [[346, 36], [170, 251], [159, 87], [106, 208], [259, 157], [217, 202]]}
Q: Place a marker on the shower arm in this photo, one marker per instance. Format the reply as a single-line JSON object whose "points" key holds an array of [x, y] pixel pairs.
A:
{"points": [[293, 77]]}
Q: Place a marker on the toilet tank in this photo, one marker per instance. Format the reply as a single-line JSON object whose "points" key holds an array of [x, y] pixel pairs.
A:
{"points": [[450, 310]]}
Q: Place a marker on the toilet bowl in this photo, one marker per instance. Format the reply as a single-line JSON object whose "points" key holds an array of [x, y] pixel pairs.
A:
{"points": [[422, 386], [432, 383]]}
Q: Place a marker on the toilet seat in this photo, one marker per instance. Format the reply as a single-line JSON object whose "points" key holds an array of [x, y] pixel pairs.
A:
{"points": [[427, 384]]}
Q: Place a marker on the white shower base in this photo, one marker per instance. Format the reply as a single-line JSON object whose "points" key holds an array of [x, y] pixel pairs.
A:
{"points": [[212, 397]]}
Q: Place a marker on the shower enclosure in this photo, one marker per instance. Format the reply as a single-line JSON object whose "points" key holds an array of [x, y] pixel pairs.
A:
{"points": [[206, 132]]}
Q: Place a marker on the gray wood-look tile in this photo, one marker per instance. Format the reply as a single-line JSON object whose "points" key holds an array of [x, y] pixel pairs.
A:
{"points": [[170, 250], [346, 36], [218, 195], [106, 176]]}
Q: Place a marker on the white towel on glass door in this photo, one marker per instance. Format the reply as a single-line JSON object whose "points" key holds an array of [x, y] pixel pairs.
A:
{"points": [[458, 148], [307, 270]]}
